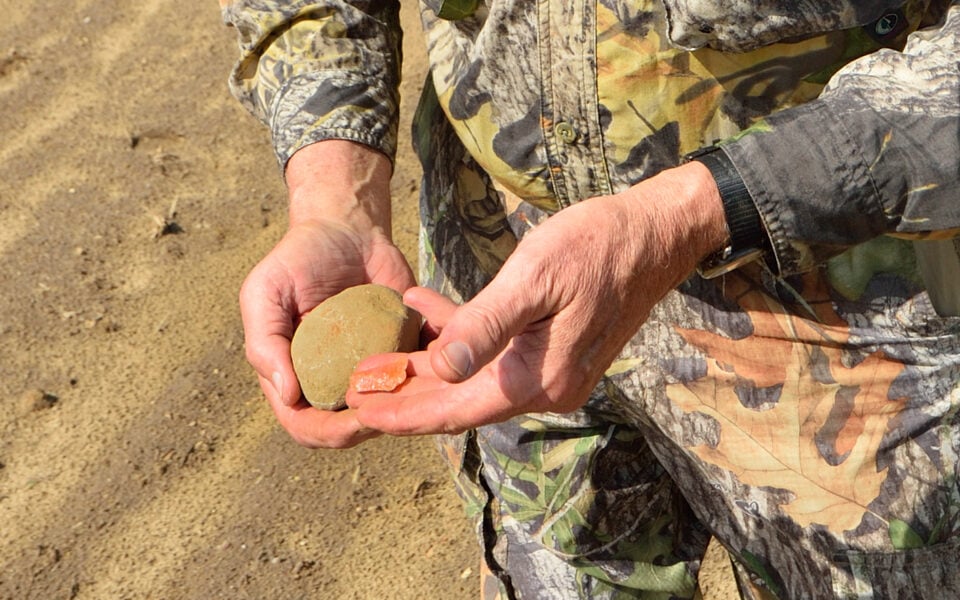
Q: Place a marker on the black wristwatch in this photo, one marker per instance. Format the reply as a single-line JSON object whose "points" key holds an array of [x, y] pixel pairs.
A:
{"points": [[748, 238]]}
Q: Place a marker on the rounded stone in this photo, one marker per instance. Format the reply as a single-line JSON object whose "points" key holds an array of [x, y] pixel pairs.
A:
{"points": [[343, 330]]}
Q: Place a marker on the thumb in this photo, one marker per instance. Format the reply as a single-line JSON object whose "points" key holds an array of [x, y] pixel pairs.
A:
{"points": [[268, 329], [480, 329]]}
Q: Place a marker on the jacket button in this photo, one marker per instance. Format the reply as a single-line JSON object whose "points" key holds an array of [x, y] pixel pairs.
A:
{"points": [[565, 132], [887, 24]]}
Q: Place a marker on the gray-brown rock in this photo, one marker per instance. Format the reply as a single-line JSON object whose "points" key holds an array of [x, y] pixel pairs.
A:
{"points": [[343, 330]]}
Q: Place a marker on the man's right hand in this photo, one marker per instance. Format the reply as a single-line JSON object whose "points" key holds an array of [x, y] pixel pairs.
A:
{"points": [[339, 236]]}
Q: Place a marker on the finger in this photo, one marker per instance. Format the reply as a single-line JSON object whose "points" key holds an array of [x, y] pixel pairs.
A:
{"points": [[315, 428], [418, 365], [428, 406], [480, 329], [436, 309], [268, 328]]}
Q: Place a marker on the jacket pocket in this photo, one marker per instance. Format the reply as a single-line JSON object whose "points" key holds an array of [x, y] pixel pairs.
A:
{"points": [[927, 572], [746, 25]]}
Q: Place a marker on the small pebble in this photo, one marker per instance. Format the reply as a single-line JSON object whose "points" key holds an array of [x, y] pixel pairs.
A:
{"points": [[35, 400]]}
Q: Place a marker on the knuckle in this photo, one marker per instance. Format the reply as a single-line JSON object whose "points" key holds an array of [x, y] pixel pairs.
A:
{"points": [[253, 354], [450, 428], [489, 319], [248, 289]]}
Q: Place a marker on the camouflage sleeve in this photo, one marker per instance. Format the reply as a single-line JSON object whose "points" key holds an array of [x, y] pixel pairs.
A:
{"points": [[877, 153], [319, 70]]}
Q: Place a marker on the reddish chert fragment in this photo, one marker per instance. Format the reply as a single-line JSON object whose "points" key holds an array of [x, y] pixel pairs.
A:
{"points": [[382, 373]]}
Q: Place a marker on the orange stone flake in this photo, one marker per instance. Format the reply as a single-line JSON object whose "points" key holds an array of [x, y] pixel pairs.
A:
{"points": [[382, 374]]}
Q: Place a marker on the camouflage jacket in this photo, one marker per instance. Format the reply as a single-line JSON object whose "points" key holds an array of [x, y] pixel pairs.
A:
{"points": [[604, 94]]}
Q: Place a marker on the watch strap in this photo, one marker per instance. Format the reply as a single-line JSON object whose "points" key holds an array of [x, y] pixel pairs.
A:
{"points": [[748, 238]]}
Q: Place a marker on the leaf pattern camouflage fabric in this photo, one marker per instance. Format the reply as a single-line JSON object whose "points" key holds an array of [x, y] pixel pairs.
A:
{"points": [[803, 411]]}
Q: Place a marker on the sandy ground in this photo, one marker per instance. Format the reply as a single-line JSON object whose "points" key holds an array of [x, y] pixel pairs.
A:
{"points": [[137, 458]]}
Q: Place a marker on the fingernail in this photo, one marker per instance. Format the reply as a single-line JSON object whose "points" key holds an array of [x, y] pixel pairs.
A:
{"points": [[277, 380], [459, 358]]}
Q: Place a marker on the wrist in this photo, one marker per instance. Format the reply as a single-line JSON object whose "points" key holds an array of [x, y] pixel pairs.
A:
{"points": [[695, 207], [746, 239], [341, 181], [675, 219]]}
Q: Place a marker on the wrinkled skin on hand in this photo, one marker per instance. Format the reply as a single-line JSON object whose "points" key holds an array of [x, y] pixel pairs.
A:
{"points": [[287, 284], [338, 238], [541, 334]]}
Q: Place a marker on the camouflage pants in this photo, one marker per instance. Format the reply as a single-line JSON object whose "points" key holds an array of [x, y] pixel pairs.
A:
{"points": [[818, 444], [588, 512]]}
